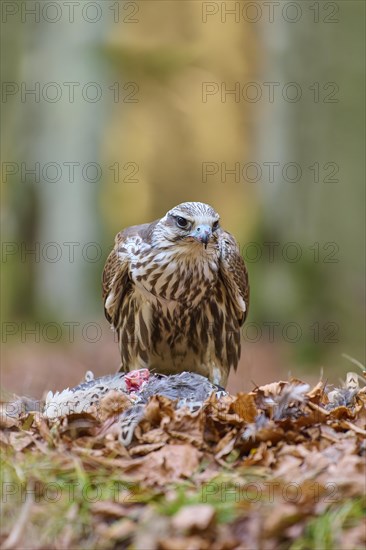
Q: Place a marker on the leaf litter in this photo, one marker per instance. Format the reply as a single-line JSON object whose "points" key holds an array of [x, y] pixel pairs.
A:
{"points": [[282, 466]]}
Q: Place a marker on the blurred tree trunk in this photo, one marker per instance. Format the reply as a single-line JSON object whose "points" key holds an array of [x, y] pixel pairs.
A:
{"points": [[59, 277], [323, 131]]}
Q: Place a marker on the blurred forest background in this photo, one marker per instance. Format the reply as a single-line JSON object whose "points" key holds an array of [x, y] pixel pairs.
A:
{"points": [[131, 113]]}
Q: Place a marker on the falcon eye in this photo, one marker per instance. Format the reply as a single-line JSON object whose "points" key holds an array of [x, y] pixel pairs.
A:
{"points": [[182, 222], [215, 225]]}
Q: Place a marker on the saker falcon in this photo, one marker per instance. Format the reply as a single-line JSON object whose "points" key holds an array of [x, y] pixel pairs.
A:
{"points": [[176, 291]]}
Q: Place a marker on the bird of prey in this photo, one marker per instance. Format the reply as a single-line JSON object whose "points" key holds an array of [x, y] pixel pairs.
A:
{"points": [[176, 292]]}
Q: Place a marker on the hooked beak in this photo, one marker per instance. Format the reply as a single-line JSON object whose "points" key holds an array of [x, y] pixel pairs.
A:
{"points": [[202, 233]]}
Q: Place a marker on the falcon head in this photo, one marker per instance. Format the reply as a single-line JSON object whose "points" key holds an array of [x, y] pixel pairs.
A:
{"points": [[189, 223]]}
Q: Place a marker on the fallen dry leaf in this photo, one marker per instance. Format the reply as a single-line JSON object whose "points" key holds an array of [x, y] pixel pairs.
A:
{"points": [[113, 404], [169, 464], [194, 518], [245, 407]]}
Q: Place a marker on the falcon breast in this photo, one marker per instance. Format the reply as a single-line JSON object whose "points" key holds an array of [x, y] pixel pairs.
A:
{"points": [[176, 292]]}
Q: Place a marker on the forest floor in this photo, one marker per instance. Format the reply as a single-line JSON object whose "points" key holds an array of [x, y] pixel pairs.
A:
{"points": [[279, 467]]}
